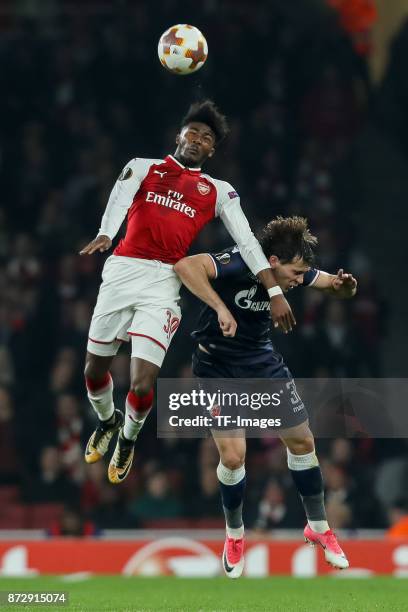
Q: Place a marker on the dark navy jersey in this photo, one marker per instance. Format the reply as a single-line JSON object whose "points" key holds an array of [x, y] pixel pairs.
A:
{"points": [[248, 301]]}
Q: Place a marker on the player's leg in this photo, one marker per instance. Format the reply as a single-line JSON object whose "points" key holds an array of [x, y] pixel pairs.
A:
{"points": [[305, 470], [151, 333], [111, 318], [231, 476], [99, 386], [139, 401]]}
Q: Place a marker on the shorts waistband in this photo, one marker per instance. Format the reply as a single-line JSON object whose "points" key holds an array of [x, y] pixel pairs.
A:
{"points": [[155, 263]]}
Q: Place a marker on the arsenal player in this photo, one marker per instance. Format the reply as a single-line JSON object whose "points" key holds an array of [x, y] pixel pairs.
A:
{"points": [[167, 202]]}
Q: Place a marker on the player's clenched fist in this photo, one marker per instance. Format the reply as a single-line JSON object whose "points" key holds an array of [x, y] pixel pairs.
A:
{"points": [[100, 243], [228, 324]]}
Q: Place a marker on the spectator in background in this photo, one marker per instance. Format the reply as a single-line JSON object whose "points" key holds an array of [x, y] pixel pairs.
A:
{"points": [[51, 484], [345, 501], [335, 343], [69, 426], [64, 373], [370, 314], [24, 265], [157, 502], [92, 486], [110, 512], [103, 504], [338, 495], [206, 501], [278, 508], [72, 524]]}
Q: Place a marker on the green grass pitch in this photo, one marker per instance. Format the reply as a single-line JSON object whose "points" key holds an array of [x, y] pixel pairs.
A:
{"points": [[121, 594]]}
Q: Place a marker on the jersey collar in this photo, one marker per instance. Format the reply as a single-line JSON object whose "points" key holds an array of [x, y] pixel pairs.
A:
{"points": [[175, 161]]}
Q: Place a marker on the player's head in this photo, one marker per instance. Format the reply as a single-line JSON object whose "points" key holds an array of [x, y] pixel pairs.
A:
{"points": [[289, 247], [202, 128]]}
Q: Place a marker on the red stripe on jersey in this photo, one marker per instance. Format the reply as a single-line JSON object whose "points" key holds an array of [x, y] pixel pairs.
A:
{"points": [[149, 338]]}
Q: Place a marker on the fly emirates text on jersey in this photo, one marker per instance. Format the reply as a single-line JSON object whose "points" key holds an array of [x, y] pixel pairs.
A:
{"points": [[172, 200]]}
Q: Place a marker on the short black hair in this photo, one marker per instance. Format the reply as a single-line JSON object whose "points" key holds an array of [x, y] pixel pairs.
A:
{"points": [[288, 238], [207, 112]]}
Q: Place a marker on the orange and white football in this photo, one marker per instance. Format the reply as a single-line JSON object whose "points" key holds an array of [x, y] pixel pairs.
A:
{"points": [[182, 49]]}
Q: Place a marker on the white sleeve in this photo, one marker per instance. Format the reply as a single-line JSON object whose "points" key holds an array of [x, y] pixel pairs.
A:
{"points": [[231, 214], [122, 195]]}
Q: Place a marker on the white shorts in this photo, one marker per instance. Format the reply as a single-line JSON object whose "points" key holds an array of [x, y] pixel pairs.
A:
{"points": [[138, 299]]}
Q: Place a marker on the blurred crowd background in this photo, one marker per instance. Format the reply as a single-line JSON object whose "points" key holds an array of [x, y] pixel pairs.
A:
{"points": [[83, 92]]}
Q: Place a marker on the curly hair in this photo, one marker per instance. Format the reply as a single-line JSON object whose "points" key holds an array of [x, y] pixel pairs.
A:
{"points": [[288, 238], [207, 112]]}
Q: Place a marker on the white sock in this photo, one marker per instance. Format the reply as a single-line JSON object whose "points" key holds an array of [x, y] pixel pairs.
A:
{"points": [[230, 477], [137, 410], [319, 526], [132, 427], [237, 533], [102, 400]]}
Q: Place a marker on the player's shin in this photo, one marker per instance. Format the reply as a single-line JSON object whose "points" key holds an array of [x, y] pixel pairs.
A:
{"points": [[137, 409], [308, 480], [100, 395], [232, 486]]}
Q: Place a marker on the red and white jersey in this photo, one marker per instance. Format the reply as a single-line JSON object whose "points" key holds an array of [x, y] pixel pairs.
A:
{"points": [[167, 204]]}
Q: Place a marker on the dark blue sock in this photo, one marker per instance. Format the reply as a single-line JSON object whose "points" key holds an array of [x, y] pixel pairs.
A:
{"points": [[309, 484], [232, 500]]}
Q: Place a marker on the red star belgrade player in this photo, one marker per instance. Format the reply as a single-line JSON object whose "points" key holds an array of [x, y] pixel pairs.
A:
{"points": [[167, 202]]}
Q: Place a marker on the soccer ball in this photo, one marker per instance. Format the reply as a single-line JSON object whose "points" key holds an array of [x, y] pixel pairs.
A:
{"points": [[182, 49]]}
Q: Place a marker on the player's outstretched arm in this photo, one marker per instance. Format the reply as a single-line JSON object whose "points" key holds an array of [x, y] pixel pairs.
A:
{"points": [[236, 223], [100, 243], [195, 273], [342, 285]]}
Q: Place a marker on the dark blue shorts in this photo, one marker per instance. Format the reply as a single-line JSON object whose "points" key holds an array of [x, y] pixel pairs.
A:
{"points": [[212, 372]]}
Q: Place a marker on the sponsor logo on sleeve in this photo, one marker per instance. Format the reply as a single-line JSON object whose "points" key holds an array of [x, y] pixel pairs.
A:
{"points": [[223, 258], [125, 174], [232, 195]]}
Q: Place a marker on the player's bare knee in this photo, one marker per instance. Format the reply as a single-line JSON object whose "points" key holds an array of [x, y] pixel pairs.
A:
{"points": [[141, 385], [301, 446], [309, 444], [232, 460], [91, 370], [95, 367]]}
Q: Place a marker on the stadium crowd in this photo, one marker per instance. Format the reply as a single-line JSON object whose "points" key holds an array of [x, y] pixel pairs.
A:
{"points": [[85, 93]]}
